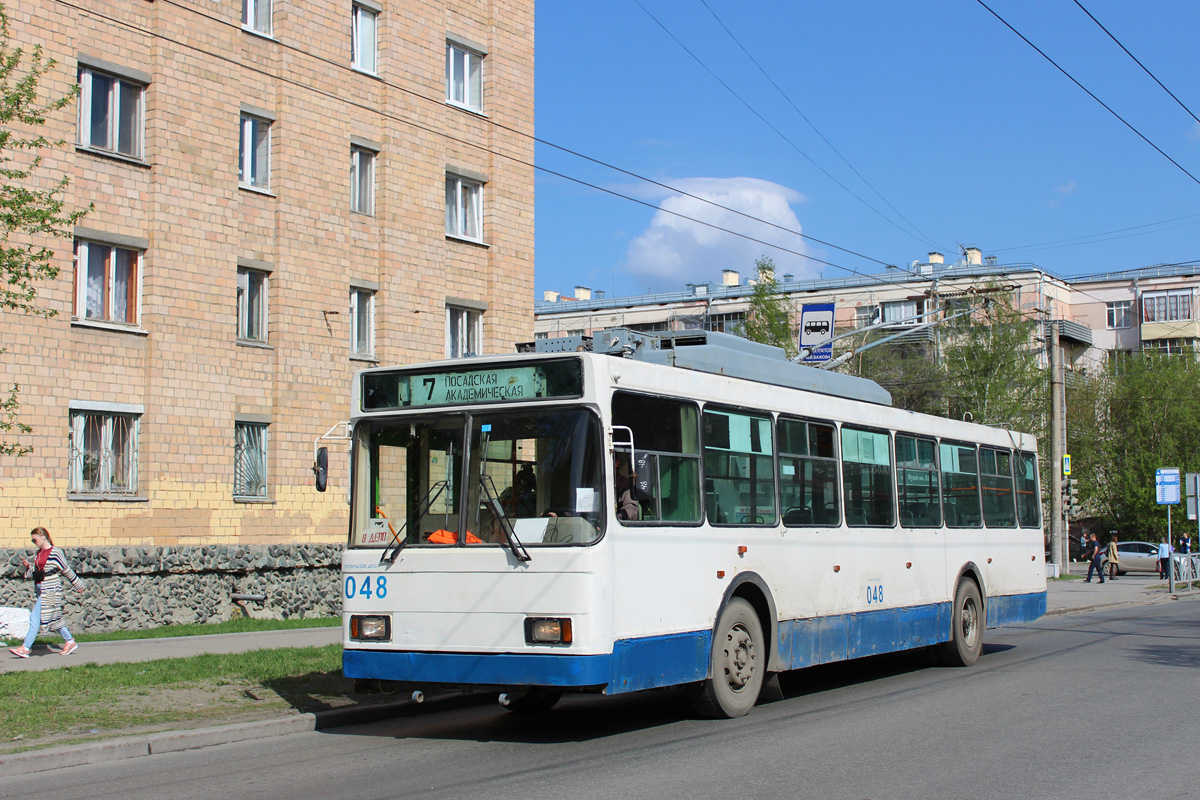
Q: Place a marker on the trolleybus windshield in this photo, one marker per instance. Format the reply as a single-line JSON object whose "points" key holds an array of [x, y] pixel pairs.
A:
{"points": [[479, 479]]}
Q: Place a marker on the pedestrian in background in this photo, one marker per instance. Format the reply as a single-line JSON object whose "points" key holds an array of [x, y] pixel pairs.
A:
{"points": [[1164, 558], [1095, 554], [1114, 559], [47, 570], [1185, 543]]}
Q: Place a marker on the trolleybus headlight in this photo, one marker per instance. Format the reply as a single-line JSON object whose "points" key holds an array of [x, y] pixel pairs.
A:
{"points": [[375, 628], [547, 630]]}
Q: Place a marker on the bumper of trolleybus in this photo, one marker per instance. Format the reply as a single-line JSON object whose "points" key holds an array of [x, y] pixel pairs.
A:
{"points": [[634, 664]]}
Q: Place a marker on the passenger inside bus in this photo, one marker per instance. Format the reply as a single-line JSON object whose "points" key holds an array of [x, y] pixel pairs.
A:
{"points": [[627, 506]]}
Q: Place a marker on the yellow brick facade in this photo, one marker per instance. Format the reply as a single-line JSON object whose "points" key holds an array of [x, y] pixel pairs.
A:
{"points": [[182, 365]]}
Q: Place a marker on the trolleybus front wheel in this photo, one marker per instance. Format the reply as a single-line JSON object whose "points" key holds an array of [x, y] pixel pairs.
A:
{"points": [[737, 666], [966, 627]]}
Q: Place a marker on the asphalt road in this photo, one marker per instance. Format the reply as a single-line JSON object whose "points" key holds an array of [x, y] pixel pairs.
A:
{"points": [[1098, 705]]}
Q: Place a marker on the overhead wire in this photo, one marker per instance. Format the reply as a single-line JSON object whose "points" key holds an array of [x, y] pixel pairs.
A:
{"points": [[767, 122], [1136, 61], [1095, 237], [1089, 93], [810, 123], [783, 11]]}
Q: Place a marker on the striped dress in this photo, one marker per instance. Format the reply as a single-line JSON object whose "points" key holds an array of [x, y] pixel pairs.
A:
{"points": [[52, 588]]}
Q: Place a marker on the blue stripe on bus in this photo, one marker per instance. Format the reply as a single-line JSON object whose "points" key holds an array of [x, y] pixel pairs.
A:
{"points": [[1014, 608], [655, 661]]}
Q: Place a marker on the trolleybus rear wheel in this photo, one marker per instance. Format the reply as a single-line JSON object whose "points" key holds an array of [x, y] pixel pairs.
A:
{"points": [[966, 627], [737, 667]]}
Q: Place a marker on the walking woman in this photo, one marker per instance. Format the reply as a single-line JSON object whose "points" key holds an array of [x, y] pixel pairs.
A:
{"points": [[47, 570], [1114, 559]]}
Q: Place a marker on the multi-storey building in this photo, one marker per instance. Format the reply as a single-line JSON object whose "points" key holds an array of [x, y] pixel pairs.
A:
{"points": [[284, 191], [1140, 309]]}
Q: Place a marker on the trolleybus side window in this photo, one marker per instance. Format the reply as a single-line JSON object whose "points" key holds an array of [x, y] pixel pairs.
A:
{"points": [[867, 478], [917, 482], [666, 432], [807, 472], [739, 468], [960, 485], [1029, 505], [995, 469]]}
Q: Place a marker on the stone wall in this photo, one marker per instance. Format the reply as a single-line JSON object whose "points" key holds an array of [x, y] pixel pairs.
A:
{"points": [[130, 588]]}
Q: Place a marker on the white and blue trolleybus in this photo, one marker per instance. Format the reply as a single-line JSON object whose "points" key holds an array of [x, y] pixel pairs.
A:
{"points": [[633, 511]]}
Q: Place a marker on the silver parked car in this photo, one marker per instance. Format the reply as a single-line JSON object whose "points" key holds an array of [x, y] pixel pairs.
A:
{"points": [[1137, 557]]}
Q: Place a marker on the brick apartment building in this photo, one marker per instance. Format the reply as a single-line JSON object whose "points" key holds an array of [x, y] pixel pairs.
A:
{"points": [[284, 191]]}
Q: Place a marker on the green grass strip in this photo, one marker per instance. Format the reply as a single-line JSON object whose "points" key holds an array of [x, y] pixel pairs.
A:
{"points": [[91, 699]]}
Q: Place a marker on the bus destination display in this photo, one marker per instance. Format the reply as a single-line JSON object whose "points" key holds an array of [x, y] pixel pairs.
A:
{"points": [[546, 380]]}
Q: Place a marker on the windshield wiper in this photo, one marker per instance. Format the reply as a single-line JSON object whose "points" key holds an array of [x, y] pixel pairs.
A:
{"points": [[423, 506], [497, 508]]}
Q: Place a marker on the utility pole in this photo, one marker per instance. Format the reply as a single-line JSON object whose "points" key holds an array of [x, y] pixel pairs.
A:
{"points": [[1058, 540]]}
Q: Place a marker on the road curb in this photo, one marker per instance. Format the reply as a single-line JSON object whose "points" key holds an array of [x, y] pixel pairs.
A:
{"points": [[1150, 601], [174, 741]]}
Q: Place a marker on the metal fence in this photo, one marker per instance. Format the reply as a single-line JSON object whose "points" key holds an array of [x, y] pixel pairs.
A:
{"points": [[1185, 573]]}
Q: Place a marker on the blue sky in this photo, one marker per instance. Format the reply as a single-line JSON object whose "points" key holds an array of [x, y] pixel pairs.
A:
{"points": [[930, 126]]}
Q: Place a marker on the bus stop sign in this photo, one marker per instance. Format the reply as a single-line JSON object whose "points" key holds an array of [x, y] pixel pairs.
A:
{"points": [[1166, 486], [816, 331]]}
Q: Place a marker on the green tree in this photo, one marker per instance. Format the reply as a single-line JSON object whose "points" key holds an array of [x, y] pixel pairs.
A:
{"points": [[991, 367], [1149, 417], [769, 319], [907, 369], [31, 206], [981, 366]]}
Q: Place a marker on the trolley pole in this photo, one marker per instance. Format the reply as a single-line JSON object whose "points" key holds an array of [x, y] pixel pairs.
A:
{"points": [[1058, 539]]}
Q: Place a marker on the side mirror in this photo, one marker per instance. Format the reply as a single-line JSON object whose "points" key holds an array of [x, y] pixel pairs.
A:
{"points": [[643, 477], [321, 469]]}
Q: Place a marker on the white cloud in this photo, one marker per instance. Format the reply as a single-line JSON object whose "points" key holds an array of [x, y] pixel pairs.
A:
{"points": [[675, 250]]}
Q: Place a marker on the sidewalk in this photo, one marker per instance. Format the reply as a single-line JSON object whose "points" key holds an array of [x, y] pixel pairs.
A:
{"points": [[1062, 597], [132, 650], [1073, 596]]}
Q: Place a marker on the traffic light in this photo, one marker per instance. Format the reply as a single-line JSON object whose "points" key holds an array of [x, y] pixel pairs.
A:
{"points": [[1070, 489]]}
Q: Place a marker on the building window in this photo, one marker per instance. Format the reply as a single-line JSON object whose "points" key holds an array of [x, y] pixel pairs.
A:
{"points": [[362, 38], [107, 282], [250, 460], [464, 77], [103, 453], [362, 323], [254, 153], [110, 113], [900, 312], [256, 16], [1167, 306], [865, 315], [731, 322], [252, 305], [541, 335], [464, 208], [362, 180], [1120, 314], [464, 332], [1169, 346]]}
